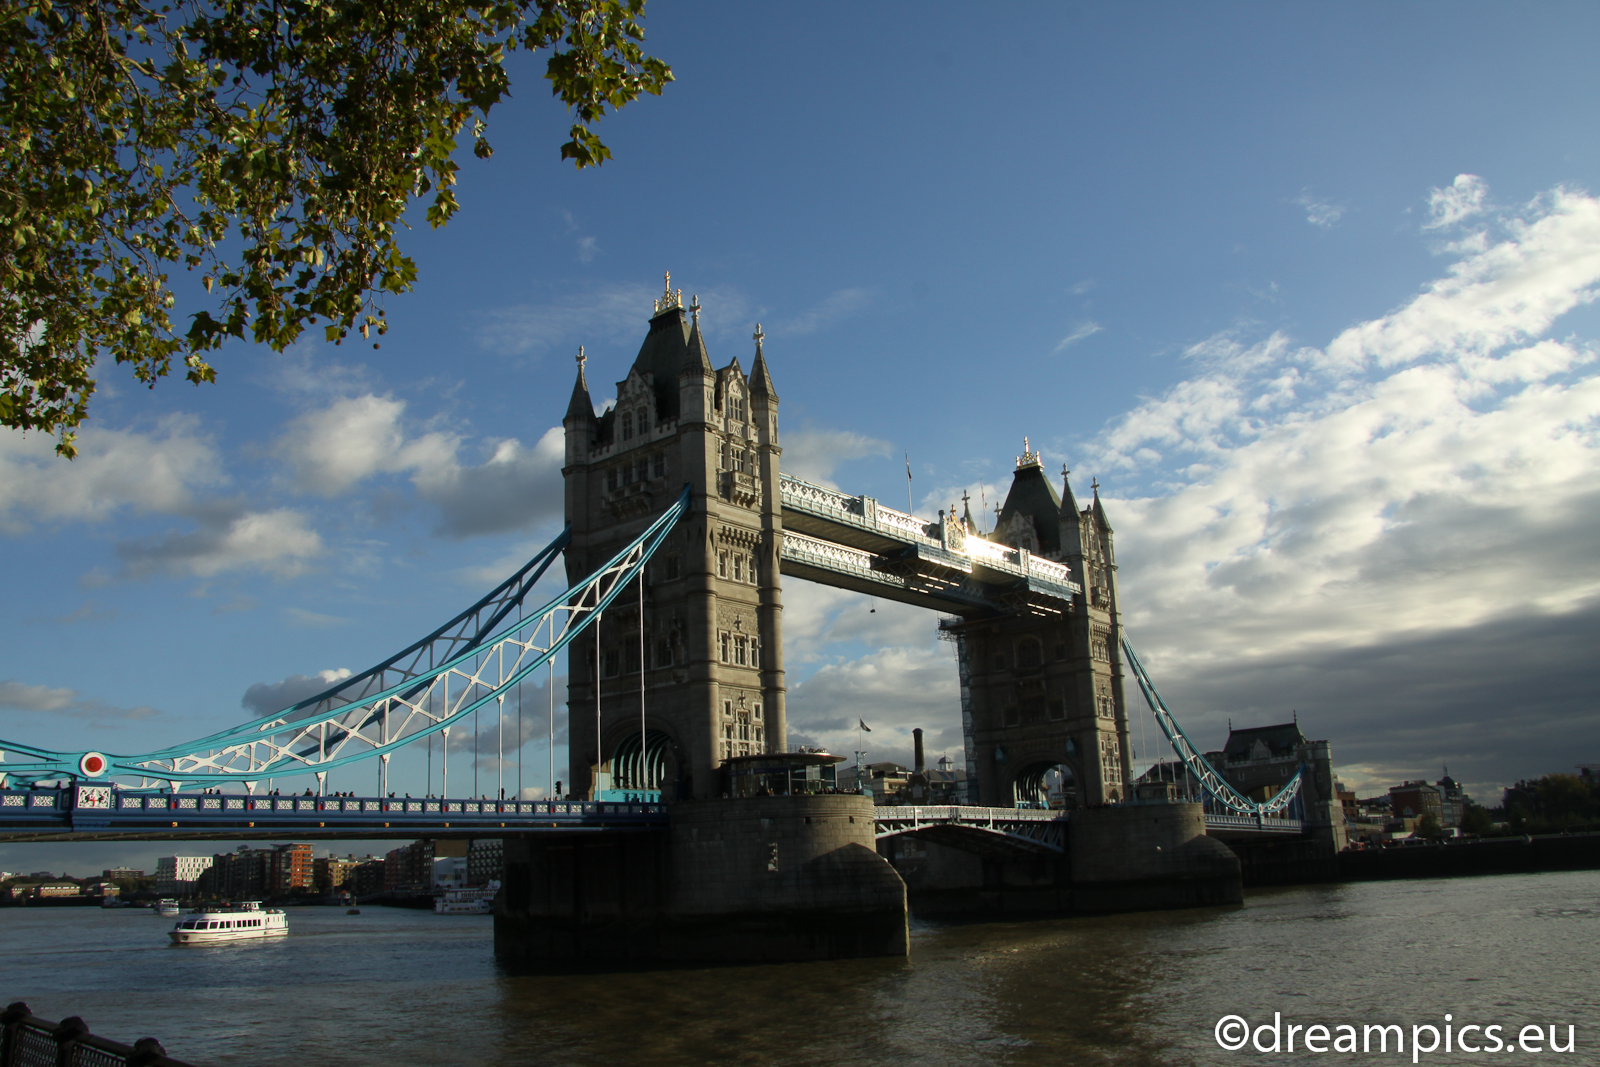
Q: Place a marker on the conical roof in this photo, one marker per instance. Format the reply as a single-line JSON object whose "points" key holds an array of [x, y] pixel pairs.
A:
{"points": [[1099, 511], [760, 378], [1069, 503], [696, 360], [580, 406], [662, 355], [1032, 495]]}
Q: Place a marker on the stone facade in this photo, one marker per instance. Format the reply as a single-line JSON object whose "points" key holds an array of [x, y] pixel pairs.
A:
{"points": [[712, 627], [1043, 690]]}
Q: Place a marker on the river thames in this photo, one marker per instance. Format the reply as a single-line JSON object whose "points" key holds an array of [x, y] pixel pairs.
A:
{"points": [[404, 987]]}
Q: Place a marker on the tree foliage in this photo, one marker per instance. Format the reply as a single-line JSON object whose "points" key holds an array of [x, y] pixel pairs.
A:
{"points": [[1554, 802], [269, 147]]}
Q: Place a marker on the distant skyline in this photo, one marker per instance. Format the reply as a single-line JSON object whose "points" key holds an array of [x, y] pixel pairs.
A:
{"points": [[1309, 288]]}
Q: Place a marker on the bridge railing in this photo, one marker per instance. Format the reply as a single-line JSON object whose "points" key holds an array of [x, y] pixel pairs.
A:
{"points": [[61, 805]]}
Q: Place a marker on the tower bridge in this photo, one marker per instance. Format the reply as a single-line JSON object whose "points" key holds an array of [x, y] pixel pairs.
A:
{"points": [[681, 526]]}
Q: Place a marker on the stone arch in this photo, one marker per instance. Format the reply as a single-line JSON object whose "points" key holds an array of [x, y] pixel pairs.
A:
{"points": [[1046, 780]]}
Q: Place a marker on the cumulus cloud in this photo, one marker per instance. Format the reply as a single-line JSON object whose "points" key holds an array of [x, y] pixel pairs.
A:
{"points": [[812, 453], [335, 448], [894, 690], [267, 698], [48, 700], [1342, 528], [1390, 534], [516, 487], [279, 542], [1459, 200], [1080, 332], [116, 471]]}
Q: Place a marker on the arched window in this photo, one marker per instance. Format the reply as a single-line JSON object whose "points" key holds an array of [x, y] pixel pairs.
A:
{"points": [[627, 425]]}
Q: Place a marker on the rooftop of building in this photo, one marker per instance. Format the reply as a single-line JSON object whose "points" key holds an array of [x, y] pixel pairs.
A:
{"points": [[1263, 742]]}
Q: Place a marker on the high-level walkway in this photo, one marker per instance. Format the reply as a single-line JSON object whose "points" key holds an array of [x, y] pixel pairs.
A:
{"points": [[855, 542]]}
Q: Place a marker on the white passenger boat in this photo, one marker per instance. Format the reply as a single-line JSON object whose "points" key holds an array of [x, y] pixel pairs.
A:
{"points": [[168, 908], [240, 922], [476, 901]]}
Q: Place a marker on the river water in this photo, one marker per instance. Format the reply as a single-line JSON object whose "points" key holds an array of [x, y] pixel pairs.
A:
{"points": [[404, 987]]}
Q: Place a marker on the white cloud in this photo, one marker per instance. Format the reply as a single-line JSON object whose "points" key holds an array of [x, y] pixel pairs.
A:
{"points": [[335, 448], [1079, 332], [813, 453], [835, 308], [116, 470], [588, 248], [1459, 200], [266, 698], [1427, 479], [1320, 213], [1392, 534], [278, 542], [515, 488], [352, 439], [1080, 288], [894, 690]]}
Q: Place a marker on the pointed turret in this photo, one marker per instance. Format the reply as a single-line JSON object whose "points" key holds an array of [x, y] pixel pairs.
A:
{"points": [[966, 511], [696, 360], [1071, 523], [1099, 511], [580, 406], [1069, 503], [760, 378]]}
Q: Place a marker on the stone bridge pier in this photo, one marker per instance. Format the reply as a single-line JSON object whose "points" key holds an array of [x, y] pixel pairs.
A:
{"points": [[1134, 857], [743, 880]]}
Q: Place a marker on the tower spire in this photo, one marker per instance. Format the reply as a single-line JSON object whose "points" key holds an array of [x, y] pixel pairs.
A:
{"points": [[580, 406], [760, 377]]}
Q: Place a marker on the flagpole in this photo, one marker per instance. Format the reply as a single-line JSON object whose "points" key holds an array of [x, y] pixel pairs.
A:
{"points": [[909, 509]]}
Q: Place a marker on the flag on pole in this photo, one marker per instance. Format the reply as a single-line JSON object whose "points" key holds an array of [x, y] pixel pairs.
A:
{"points": [[864, 725]]}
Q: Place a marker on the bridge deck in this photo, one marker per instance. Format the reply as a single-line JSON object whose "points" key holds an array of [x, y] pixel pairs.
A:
{"points": [[94, 813]]}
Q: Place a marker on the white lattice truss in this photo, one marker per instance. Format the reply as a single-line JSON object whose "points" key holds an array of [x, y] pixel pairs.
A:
{"points": [[471, 662]]}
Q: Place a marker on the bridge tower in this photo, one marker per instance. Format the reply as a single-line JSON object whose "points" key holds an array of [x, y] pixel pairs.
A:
{"points": [[712, 648], [1043, 690]]}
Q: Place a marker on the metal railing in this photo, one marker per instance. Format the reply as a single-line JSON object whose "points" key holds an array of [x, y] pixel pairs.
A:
{"points": [[29, 1041], [113, 811]]}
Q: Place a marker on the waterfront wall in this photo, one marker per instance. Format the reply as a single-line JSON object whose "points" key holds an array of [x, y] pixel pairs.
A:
{"points": [[740, 880], [1492, 855]]}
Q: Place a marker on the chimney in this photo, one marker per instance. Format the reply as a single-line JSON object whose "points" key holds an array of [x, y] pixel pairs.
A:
{"points": [[916, 738]]}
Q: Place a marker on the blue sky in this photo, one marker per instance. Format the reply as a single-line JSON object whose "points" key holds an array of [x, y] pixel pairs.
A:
{"points": [[1309, 288]]}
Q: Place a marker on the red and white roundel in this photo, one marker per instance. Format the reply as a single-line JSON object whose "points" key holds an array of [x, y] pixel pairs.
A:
{"points": [[93, 764]]}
